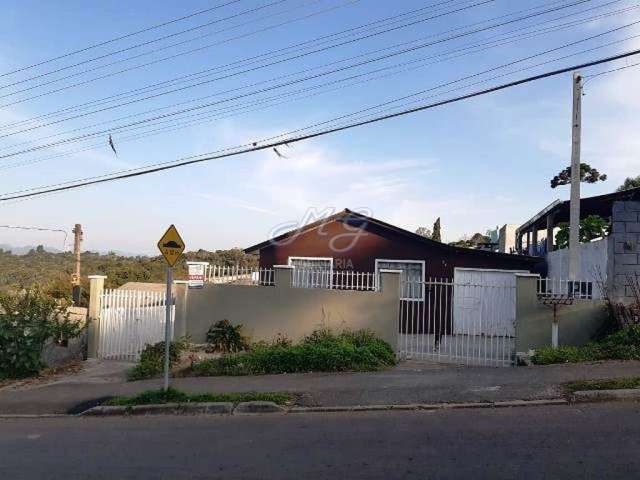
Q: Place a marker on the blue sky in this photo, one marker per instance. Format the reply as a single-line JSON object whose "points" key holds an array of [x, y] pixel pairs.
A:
{"points": [[475, 164]]}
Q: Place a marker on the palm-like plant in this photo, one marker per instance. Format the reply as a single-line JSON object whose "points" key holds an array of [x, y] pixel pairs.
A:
{"points": [[226, 338]]}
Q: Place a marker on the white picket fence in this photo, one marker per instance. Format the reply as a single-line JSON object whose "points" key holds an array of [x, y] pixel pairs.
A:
{"points": [[238, 275], [333, 279], [129, 320]]}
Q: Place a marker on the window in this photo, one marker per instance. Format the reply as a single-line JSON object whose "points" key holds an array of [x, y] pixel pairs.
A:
{"points": [[312, 272], [411, 278]]}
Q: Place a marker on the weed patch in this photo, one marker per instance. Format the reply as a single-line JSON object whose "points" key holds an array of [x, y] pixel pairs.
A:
{"points": [[153, 397]]}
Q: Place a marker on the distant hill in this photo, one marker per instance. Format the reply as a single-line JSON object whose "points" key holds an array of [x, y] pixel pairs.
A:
{"points": [[23, 250], [52, 270]]}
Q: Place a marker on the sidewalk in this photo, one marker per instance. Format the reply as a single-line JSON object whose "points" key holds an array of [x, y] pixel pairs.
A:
{"points": [[409, 382]]}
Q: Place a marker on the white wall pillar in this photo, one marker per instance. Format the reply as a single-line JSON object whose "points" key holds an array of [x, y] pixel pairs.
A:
{"points": [[96, 288]]}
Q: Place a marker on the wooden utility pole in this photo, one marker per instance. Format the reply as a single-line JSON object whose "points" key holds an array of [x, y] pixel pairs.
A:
{"points": [[75, 279], [574, 203]]}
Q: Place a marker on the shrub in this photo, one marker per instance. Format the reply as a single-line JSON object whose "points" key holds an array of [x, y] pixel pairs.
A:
{"points": [[226, 338], [622, 345], [151, 363], [27, 320], [322, 351]]}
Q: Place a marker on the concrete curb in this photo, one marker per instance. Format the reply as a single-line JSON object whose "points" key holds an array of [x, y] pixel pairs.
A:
{"points": [[430, 406], [583, 396], [259, 408], [211, 408]]}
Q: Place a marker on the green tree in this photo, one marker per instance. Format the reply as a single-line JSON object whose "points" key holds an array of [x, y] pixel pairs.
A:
{"points": [[593, 226], [587, 175], [423, 232], [437, 236], [629, 182]]}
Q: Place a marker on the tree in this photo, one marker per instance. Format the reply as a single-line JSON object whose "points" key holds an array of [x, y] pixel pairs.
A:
{"points": [[423, 232], [587, 175], [437, 236], [471, 242], [629, 182], [593, 226]]}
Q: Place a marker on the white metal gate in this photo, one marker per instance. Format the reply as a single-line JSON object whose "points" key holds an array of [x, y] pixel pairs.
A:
{"points": [[468, 320], [129, 320]]}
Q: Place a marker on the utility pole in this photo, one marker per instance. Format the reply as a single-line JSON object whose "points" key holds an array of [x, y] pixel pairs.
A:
{"points": [[574, 202], [75, 279]]}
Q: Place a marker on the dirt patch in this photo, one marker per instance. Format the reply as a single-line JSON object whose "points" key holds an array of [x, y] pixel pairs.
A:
{"points": [[45, 376]]}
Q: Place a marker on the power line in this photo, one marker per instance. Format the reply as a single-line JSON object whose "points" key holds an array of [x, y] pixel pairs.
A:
{"points": [[206, 105], [40, 229], [122, 37], [486, 45], [606, 72], [240, 72], [271, 53], [255, 147], [138, 45], [242, 109], [135, 67]]}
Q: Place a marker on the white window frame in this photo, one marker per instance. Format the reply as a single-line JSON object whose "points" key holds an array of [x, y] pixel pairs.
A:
{"points": [[290, 263], [396, 260]]}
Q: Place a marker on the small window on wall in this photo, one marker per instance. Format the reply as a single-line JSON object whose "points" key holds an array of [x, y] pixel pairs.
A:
{"points": [[312, 272], [411, 278]]}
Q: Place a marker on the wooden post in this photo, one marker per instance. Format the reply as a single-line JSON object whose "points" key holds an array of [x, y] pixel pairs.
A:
{"points": [[75, 279]]}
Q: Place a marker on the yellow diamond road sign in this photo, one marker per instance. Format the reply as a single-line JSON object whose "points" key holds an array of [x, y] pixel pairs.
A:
{"points": [[171, 245]]}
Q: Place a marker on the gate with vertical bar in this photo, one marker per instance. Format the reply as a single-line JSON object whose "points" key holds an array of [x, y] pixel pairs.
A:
{"points": [[468, 320]]}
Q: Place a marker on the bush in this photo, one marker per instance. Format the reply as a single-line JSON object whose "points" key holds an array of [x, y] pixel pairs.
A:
{"points": [[226, 338], [151, 363], [622, 345], [322, 351], [27, 320]]}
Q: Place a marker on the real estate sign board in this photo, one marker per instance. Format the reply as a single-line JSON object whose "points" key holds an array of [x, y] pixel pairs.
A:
{"points": [[195, 274]]}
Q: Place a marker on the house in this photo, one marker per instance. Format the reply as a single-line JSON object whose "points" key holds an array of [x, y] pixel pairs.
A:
{"points": [[610, 262], [352, 241]]}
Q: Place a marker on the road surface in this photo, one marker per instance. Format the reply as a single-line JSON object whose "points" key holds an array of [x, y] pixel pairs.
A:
{"points": [[588, 441]]}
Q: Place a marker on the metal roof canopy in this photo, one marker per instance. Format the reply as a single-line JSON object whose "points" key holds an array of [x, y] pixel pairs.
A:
{"points": [[599, 205]]}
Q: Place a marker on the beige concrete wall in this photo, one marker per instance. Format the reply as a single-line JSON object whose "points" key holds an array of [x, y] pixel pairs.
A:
{"points": [[265, 312], [577, 322]]}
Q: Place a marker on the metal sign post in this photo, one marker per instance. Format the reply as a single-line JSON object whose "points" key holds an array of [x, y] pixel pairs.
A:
{"points": [[171, 246], [167, 327]]}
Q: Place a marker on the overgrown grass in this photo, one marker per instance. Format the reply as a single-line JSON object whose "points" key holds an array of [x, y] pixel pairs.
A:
{"points": [[611, 384], [172, 395], [622, 345], [322, 351]]}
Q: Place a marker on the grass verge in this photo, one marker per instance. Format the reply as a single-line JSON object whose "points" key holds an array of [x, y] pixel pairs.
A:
{"points": [[153, 397], [610, 384], [622, 345]]}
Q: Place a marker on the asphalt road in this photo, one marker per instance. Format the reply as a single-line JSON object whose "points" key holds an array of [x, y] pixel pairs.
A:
{"points": [[587, 441]]}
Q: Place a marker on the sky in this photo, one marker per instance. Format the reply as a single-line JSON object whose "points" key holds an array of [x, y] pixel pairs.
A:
{"points": [[476, 164]]}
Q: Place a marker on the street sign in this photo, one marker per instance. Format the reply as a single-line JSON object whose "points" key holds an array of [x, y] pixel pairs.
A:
{"points": [[195, 274], [171, 245]]}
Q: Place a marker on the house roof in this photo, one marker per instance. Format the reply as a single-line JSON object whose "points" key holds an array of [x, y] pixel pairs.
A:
{"points": [[598, 205], [358, 219]]}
